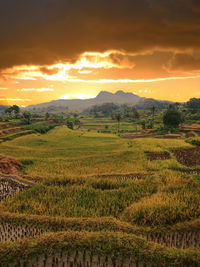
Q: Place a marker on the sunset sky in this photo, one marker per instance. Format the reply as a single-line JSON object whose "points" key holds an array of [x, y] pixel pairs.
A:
{"points": [[52, 49]]}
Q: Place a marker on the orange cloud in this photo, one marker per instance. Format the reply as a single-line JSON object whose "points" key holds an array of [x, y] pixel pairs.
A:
{"points": [[60, 71], [95, 66]]}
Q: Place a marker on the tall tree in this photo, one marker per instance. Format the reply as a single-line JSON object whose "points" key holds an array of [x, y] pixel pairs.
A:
{"points": [[47, 115], [16, 110], [27, 117], [194, 105], [13, 111], [153, 109], [118, 118], [172, 117]]}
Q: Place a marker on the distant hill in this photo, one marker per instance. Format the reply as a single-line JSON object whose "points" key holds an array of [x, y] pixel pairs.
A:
{"points": [[78, 105], [2, 109], [119, 97]]}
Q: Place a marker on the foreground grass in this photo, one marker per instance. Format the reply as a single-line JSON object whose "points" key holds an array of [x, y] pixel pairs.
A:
{"points": [[177, 201], [159, 201], [116, 247], [89, 199]]}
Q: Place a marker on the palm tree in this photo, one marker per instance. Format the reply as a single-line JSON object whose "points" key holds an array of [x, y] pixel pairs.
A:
{"points": [[153, 109], [118, 118], [27, 117]]}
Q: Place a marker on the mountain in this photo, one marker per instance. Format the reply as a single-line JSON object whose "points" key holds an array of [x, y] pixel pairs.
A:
{"points": [[2, 109], [78, 105], [119, 97]]}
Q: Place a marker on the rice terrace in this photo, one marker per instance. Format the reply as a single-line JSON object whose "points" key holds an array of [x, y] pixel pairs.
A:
{"points": [[74, 192], [100, 133]]}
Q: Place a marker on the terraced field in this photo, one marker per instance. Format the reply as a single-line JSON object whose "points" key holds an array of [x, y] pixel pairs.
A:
{"points": [[92, 199]]}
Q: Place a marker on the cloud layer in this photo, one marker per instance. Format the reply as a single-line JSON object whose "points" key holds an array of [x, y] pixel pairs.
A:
{"points": [[44, 32], [54, 48]]}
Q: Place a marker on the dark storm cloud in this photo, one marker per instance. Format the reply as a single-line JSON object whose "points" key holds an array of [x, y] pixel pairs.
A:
{"points": [[46, 31]]}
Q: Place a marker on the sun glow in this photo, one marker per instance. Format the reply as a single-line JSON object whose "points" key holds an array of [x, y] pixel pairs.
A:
{"points": [[111, 70], [37, 90], [76, 96], [14, 99], [87, 62]]}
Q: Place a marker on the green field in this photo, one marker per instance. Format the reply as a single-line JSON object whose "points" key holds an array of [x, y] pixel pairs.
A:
{"points": [[67, 162], [66, 153], [86, 180]]}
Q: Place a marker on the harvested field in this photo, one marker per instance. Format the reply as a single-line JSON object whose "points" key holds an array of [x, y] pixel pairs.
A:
{"points": [[181, 240], [157, 156], [4, 125], [11, 232], [188, 157], [9, 165], [9, 186], [9, 131]]}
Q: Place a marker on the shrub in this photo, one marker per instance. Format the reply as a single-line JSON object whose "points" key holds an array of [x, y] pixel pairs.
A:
{"points": [[40, 127], [172, 118], [194, 141]]}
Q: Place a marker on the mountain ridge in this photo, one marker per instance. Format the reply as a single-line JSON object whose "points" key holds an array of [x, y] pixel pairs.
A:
{"points": [[119, 97]]}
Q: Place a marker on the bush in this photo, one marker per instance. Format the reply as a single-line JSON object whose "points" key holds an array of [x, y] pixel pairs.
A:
{"points": [[172, 118], [25, 163], [70, 124], [40, 127], [166, 130], [194, 141], [195, 116]]}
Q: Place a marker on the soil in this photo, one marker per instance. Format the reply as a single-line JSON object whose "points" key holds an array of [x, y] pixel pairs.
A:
{"points": [[158, 156], [188, 157], [9, 165], [9, 131]]}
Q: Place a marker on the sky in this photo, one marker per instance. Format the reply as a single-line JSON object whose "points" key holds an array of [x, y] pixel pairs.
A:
{"points": [[65, 49]]}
